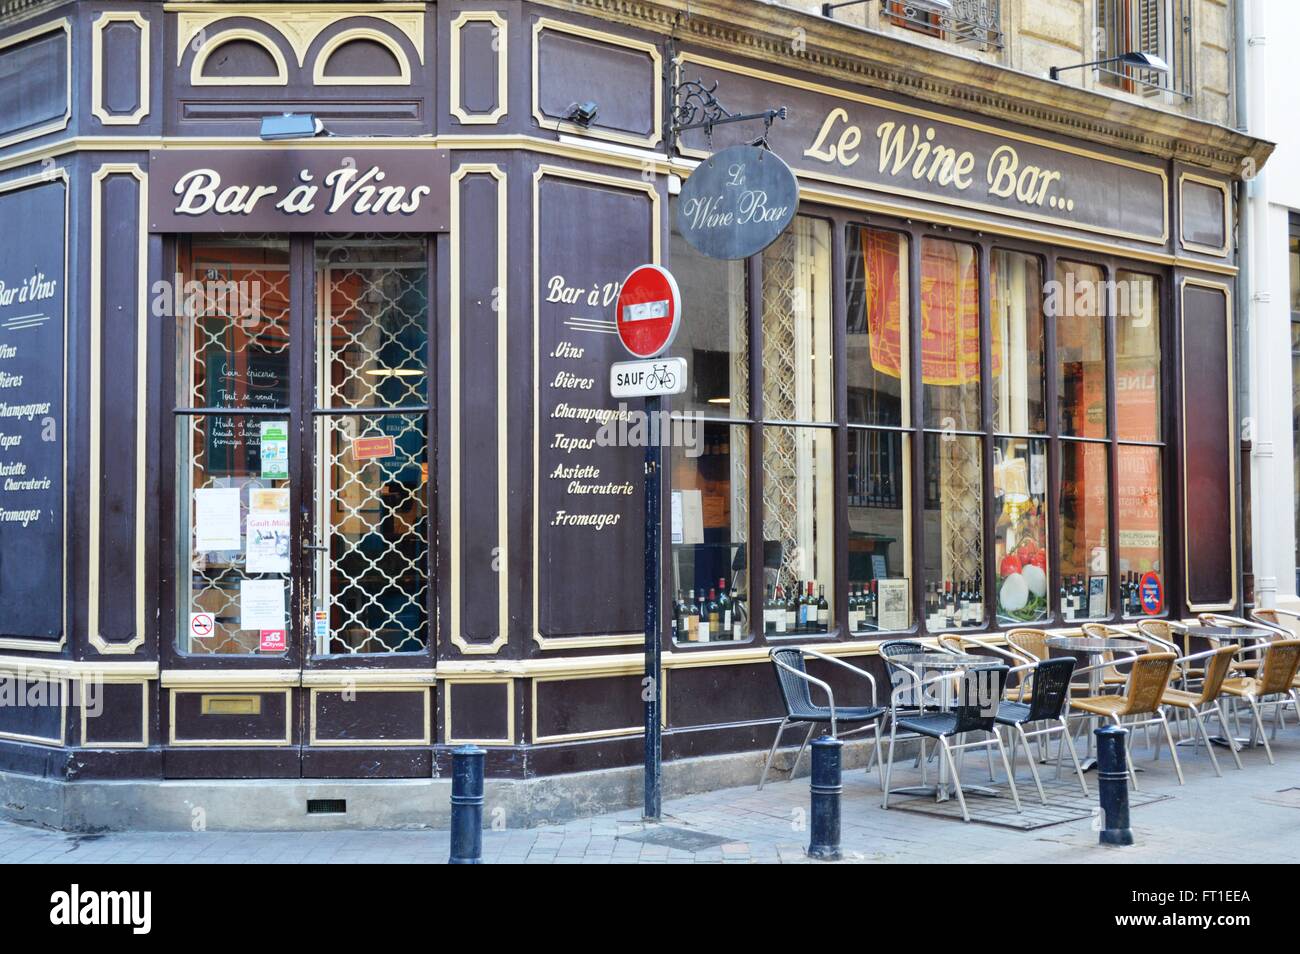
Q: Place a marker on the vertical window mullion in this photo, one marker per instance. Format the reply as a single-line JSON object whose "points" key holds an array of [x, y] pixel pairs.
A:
{"points": [[1053, 448], [839, 366], [757, 556], [987, 588], [917, 420], [1112, 433]]}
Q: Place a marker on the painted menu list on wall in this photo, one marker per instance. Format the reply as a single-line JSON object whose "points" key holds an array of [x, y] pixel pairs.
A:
{"points": [[589, 496], [31, 410]]}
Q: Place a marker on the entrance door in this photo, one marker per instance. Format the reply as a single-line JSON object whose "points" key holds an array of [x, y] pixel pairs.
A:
{"points": [[302, 527]]}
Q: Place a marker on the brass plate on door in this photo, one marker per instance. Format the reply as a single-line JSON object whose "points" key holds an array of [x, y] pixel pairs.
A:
{"points": [[230, 705]]}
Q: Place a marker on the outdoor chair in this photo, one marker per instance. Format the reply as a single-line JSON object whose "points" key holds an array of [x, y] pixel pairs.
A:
{"points": [[1140, 702], [796, 690], [1218, 662], [1275, 683], [1051, 689], [1171, 636], [1111, 676], [979, 692], [1243, 663], [1028, 646], [1285, 622]]}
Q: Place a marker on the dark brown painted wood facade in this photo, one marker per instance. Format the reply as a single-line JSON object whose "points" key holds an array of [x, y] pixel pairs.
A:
{"points": [[549, 679]]}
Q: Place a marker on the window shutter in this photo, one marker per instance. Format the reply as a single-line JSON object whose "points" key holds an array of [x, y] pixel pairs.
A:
{"points": [[1151, 16]]}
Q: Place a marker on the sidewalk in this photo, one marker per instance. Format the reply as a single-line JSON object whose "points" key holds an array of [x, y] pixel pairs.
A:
{"points": [[1249, 815]]}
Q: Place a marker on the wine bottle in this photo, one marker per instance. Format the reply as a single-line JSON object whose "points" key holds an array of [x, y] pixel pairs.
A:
{"points": [[873, 608], [857, 611], [714, 613], [724, 611], [692, 619], [791, 612], [823, 611], [780, 616], [702, 619], [739, 615]]}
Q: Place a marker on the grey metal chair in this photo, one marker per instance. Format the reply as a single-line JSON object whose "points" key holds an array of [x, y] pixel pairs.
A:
{"points": [[796, 690]]}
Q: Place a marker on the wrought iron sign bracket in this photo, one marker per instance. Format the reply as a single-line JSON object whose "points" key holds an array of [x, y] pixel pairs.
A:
{"points": [[696, 107]]}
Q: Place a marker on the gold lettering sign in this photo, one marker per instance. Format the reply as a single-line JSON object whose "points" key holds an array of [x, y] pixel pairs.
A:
{"points": [[927, 155], [911, 151]]}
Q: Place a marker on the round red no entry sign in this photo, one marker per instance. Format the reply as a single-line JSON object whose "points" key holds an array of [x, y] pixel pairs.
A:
{"points": [[649, 311]]}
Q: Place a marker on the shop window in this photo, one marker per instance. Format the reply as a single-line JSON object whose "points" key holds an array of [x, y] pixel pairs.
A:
{"points": [[878, 349], [799, 517], [1077, 305], [232, 469], [1016, 305], [709, 525], [878, 336], [714, 341], [1141, 519], [1085, 517], [356, 546], [371, 446], [952, 533], [798, 390], [1016, 345], [1136, 305], [950, 335]]}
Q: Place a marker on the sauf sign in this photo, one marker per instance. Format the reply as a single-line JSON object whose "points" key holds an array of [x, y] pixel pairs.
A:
{"points": [[299, 190]]}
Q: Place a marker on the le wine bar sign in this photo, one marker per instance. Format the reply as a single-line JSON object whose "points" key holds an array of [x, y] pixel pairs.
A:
{"points": [[300, 190], [903, 149]]}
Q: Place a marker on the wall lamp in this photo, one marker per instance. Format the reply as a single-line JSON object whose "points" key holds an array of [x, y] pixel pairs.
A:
{"points": [[584, 114], [1146, 61], [927, 6], [291, 126]]}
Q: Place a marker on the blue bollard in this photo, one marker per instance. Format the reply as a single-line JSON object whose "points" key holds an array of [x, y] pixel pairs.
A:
{"points": [[827, 757], [466, 805], [1112, 785]]}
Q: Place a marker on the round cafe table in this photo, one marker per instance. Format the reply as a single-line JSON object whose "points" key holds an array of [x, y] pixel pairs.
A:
{"points": [[1235, 634], [932, 663], [1094, 648]]}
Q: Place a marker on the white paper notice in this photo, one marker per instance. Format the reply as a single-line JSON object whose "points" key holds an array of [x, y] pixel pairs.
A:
{"points": [[268, 542], [261, 604], [677, 516], [216, 519]]}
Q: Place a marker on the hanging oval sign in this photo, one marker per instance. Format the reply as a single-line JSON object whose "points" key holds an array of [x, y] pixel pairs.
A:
{"points": [[737, 202]]}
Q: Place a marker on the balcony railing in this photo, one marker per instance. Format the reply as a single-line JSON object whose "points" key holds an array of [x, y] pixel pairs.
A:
{"points": [[974, 22]]}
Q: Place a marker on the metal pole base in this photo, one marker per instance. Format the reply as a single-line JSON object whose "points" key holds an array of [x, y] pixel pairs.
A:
{"points": [[1116, 836]]}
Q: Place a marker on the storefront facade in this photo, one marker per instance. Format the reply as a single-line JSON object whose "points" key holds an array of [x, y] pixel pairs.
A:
{"points": [[317, 474]]}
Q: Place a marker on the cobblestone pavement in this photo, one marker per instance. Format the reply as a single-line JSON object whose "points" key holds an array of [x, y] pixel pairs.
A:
{"points": [[1251, 815]]}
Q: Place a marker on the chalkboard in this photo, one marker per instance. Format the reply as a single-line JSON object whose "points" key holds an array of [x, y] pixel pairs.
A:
{"points": [[32, 312]]}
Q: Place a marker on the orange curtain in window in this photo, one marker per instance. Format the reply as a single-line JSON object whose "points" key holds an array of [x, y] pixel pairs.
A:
{"points": [[950, 352]]}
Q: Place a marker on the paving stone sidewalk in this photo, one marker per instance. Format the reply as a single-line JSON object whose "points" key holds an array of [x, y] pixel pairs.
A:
{"points": [[1251, 815]]}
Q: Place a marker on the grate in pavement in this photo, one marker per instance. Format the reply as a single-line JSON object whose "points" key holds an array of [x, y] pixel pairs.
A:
{"points": [[680, 839], [1065, 803]]}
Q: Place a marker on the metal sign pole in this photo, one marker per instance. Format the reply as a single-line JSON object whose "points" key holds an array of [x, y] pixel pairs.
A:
{"points": [[653, 649]]}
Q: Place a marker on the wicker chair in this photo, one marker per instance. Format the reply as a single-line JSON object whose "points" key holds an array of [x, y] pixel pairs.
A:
{"points": [[1218, 663], [1275, 683], [1111, 676], [1140, 702]]}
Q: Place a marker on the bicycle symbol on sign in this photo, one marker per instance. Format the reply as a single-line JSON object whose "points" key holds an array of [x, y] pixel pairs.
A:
{"points": [[660, 377]]}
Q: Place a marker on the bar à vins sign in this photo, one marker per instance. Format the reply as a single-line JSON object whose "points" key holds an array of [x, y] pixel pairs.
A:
{"points": [[300, 190], [737, 202]]}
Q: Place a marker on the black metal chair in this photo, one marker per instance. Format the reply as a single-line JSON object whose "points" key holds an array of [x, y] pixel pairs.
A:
{"points": [[1050, 692], [979, 694], [796, 689]]}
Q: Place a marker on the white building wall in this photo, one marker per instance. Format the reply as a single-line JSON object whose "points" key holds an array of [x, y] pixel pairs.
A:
{"points": [[1273, 98]]}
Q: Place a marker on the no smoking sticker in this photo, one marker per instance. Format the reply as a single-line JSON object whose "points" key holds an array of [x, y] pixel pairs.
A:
{"points": [[202, 624]]}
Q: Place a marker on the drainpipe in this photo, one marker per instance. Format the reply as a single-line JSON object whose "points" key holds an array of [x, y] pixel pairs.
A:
{"points": [[1244, 297]]}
